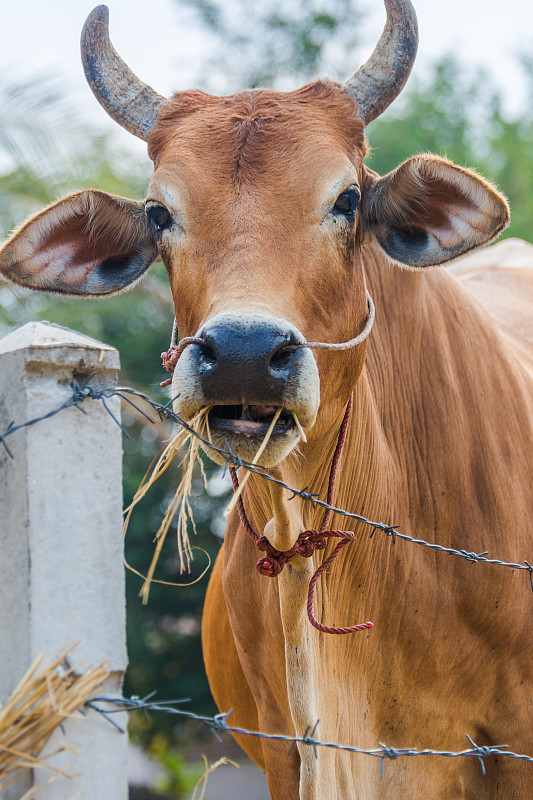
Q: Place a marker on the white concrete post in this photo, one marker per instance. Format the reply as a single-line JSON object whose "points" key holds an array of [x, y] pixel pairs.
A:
{"points": [[61, 568]]}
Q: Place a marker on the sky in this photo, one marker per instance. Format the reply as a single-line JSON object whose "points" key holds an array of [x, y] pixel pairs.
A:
{"points": [[160, 42]]}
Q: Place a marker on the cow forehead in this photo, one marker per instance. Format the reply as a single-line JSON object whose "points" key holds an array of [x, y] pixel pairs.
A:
{"points": [[274, 141], [303, 194]]}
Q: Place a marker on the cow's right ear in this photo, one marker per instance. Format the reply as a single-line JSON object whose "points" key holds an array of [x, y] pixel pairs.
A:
{"points": [[89, 243]]}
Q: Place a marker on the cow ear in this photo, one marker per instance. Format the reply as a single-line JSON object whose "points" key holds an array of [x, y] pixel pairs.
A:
{"points": [[89, 243], [429, 211]]}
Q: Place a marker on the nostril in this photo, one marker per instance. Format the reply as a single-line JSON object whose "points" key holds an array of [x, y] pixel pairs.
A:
{"points": [[207, 354], [280, 359]]}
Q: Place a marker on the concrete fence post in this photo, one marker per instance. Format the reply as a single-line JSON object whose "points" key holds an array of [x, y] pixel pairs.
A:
{"points": [[61, 567]]}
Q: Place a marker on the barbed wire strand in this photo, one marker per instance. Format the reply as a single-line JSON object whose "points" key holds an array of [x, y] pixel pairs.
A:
{"points": [[219, 724], [83, 392]]}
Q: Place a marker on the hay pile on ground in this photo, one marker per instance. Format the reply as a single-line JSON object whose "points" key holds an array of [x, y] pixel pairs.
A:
{"points": [[43, 700]]}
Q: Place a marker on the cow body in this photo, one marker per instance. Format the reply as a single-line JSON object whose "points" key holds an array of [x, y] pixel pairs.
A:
{"points": [[272, 229], [439, 444], [502, 280]]}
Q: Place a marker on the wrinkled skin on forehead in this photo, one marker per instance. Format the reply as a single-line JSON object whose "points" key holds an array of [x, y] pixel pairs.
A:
{"points": [[251, 181]]}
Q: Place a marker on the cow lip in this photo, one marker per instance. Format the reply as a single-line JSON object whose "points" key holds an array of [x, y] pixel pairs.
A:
{"points": [[249, 420]]}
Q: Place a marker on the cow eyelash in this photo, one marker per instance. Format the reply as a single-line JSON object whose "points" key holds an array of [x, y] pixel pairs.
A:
{"points": [[347, 202], [159, 218]]}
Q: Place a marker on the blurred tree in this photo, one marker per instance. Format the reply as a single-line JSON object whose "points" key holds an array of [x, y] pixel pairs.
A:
{"points": [[461, 118], [47, 149], [509, 161], [436, 116], [267, 43], [460, 115]]}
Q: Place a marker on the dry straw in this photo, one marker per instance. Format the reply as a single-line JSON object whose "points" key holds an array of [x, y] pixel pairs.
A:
{"points": [[299, 426], [256, 458], [180, 503], [187, 442], [201, 786], [43, 700]]}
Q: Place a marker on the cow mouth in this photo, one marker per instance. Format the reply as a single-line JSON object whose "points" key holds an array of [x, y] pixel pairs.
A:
{"points": [[249, 420]]}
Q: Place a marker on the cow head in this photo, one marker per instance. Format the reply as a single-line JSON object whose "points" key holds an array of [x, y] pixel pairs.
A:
{"points": [[258, 206]]}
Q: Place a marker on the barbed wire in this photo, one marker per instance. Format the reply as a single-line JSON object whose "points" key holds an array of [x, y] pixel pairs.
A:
{"points": [[219, 724], [83, 391], [12, 428]]}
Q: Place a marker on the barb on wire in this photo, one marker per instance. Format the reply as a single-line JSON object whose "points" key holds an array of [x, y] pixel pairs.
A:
{"points": [[80, 393], [219, 724], [12, 428]]}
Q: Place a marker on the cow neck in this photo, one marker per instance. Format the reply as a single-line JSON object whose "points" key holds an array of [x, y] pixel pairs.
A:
{"points": [[308, 541]]}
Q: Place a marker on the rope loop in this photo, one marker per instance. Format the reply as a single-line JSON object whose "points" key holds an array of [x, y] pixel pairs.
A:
{"points": [[269, 567], [171, 357]]}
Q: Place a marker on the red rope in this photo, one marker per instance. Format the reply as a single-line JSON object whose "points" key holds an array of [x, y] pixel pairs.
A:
{"points": [[311, 593], [171, 356], [308, 541]]}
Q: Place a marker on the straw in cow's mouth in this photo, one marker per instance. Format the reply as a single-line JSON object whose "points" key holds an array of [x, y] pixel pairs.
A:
{"points": [[250, 420], [262, 420], [255, 460], [180, 503]]}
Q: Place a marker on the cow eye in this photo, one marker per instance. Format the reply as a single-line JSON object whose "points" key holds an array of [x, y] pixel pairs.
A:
{"points": [[158, 217], [347, 202]]}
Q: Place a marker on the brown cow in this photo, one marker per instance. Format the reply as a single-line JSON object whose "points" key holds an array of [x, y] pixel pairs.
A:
{"points": [[272, 229]]}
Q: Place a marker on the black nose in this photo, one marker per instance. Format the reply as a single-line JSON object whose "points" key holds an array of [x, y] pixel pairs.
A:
{"points": [[246, 360]]}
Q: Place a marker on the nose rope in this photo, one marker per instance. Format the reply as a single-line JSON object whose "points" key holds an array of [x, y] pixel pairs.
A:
{"points": [[308, 541], [171, 356], [342, 345]]}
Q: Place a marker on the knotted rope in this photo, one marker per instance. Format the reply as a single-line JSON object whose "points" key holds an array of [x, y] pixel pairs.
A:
{"points": [[307, 542]]}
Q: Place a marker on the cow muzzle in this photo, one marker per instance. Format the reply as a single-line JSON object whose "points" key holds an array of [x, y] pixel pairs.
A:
{"points": [[244, 371]]}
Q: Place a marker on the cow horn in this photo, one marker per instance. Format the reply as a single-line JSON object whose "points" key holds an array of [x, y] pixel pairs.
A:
{"points": [[131, 103], [375, 85]]}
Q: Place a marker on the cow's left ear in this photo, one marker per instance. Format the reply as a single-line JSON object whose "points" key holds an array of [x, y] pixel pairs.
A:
{"points": [[89, 243], [429, 211]]}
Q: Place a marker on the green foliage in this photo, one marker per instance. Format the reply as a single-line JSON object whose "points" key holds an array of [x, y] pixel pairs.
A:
{"points": [[47, 149], [436, 117], [164, 636], [179, 778], [509, 161]]}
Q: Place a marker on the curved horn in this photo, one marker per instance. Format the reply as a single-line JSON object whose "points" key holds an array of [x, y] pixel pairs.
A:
{"points": [[131, 103], [375, 85]]}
